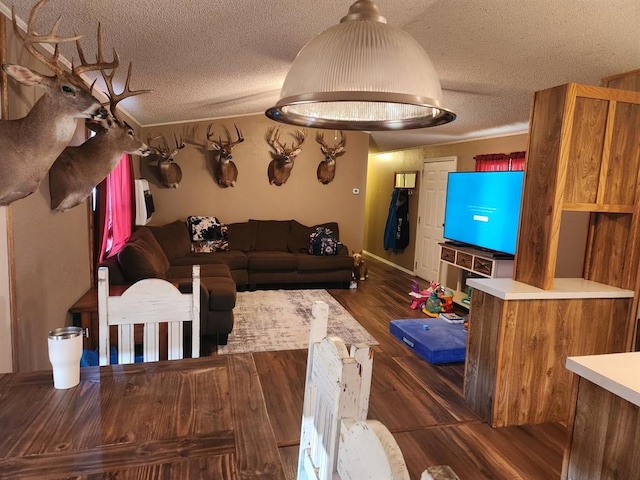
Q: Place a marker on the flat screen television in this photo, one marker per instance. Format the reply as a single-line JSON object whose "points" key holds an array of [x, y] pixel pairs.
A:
{"points": [[483, 209]]}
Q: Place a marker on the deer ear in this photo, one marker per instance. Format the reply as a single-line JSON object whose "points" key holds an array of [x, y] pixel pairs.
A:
{"points": [[23, 75]]}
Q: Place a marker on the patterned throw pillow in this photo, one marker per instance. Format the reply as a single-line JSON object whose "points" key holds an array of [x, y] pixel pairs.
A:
{"points": [[207, 235], [323, 242]]}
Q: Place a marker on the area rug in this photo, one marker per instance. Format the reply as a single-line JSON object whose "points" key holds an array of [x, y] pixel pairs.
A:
{"points": [[269, 320]]}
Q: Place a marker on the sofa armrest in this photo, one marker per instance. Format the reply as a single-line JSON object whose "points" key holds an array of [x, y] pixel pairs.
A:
{"points": [[116, 275]]}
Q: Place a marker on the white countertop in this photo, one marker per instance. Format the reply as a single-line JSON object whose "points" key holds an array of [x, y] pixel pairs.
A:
{"points": [[619, 373], [563, 288]]}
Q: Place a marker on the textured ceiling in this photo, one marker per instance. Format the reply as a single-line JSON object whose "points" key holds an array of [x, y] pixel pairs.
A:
{"points": [[207, 59]]}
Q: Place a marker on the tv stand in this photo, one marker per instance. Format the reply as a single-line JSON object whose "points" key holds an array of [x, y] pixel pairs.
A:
{"points": [[473, 262]]}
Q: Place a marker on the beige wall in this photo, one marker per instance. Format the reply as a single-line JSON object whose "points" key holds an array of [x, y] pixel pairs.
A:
{"points": [[380, 186], [302, 197], [6, 362]]}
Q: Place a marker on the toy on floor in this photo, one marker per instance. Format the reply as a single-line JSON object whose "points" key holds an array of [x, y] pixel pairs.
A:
{"points": [[420, 297], [440, 300]]}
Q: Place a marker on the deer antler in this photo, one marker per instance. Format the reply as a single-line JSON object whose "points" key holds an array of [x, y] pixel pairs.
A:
{"points": [[229, 144], [335, 150], [114, 98], [281, 148], [31, 38], [100, 64], [163, 150]]}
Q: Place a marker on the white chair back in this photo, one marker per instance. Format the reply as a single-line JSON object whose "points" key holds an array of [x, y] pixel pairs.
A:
{"points": [[336, 439], [148, 302]]}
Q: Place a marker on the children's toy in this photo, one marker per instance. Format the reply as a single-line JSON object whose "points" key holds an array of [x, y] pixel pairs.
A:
{"points": [[420, 297], [440, 300]]}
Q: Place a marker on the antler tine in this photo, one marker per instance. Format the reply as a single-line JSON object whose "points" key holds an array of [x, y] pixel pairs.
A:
{"points": [[114, 98], [100, 64], [179, 143], [30, 38], [320, 139], [300, 135]]}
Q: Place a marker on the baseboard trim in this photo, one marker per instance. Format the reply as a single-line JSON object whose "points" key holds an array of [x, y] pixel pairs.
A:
{"points": [[391, 264]]}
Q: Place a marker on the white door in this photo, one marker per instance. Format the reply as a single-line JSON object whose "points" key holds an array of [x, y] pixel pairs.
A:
{"points": [[433, 191]]}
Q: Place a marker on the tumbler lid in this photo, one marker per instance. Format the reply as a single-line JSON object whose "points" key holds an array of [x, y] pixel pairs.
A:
{"points": [[64, 333]]}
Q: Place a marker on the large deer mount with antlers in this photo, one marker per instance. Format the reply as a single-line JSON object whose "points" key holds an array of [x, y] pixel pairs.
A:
{"points": [[283, 157], [30, 145], [163, 157], [78, 170], [225, 170], [326, 171]]}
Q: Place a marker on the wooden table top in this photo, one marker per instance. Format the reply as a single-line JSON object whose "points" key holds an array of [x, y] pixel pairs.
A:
{"points": [[192, 418]]}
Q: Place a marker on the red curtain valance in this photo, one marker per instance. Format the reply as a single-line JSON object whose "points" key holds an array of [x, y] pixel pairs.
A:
{"points": [[493, 162]]}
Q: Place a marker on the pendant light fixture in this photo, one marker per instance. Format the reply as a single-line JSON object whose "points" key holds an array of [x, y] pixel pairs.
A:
{"points": [[362, 74]]}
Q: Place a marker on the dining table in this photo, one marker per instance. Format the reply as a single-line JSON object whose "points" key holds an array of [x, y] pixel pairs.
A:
{"points": [[201, 418]]}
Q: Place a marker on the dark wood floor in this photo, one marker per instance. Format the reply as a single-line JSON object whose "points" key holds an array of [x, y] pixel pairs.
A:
{"points": [[420, 403]]}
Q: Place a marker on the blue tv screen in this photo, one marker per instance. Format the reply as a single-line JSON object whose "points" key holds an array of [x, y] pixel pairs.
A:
{"points": [[483, 209]]}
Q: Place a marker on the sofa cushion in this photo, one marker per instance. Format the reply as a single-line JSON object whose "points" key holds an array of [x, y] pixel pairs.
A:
{"points": [[234, 259], [173, 238], [322, 263], [142, 257], [267, 261], [242, 235], [206, 270], [222, 293], [299, 237], [272, 235]]}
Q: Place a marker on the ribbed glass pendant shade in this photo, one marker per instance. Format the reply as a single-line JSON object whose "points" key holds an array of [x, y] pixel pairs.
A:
{"points": [[362, 74]]}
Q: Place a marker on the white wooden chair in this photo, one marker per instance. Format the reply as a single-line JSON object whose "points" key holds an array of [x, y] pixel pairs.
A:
{"points": [[148, 302], [336, 440]]}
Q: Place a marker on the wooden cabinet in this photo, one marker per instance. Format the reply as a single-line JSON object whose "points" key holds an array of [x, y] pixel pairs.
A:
{"points": [[583, 155], [475, 262], [520, 336]]}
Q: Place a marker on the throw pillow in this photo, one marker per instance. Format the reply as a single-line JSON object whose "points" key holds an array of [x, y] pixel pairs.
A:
{"points": [[209, 246], [323, 242], [173, 238], [299, 237], [207, 235], [272, 235], [142, 257], [204, 228]]}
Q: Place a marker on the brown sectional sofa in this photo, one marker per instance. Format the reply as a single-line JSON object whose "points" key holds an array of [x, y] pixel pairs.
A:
{"points": [[260, 253]]}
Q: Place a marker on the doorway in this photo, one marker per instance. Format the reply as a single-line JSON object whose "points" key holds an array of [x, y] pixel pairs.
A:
{"points": [[433, 192]]}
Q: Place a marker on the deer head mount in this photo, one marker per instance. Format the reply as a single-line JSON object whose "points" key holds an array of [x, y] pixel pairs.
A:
{"points": [[283, 157], [327, 168], [31, 144], [78, 170], [164, 157], [226, 171]]}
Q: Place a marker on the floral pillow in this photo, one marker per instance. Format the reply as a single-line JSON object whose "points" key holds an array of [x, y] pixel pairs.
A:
{"points": [[207, 234], [323, 242]]}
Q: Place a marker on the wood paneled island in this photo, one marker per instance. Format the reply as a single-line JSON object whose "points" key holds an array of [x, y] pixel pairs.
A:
{"points": [[605, 424], [520, 337]]}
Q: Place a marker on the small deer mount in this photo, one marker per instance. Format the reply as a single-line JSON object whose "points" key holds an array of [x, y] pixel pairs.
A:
{"points": [[283, 157], [225, 170], [327, 168], [163, 157]]}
